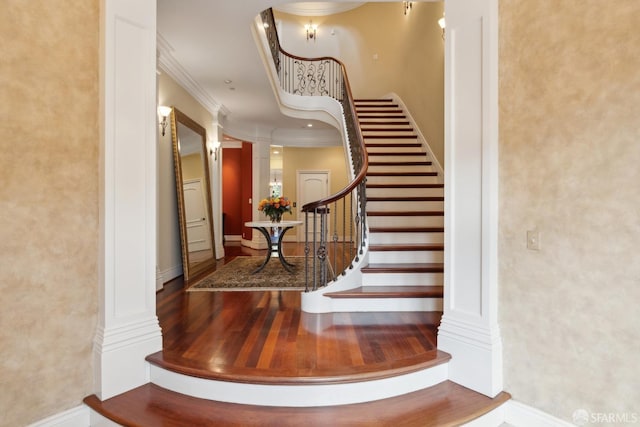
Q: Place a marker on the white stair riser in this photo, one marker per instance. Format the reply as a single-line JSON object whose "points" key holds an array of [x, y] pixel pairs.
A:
{"points": [[405, 192], [417, 157], [384, 126], [402, 179], [405, 206], [402, 279], [395, 134], [400, 168], [406, 221], [399, 257], [401, 238], [385, 149], [395, 142], [386, 304]]}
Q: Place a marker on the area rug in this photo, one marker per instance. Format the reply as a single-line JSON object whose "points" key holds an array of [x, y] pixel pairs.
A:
{"points": [[237, 276]]}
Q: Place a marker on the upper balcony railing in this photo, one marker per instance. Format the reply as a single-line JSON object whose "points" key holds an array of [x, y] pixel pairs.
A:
{"points": [[342, 214]]}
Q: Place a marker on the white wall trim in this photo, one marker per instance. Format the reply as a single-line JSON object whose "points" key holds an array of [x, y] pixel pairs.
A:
{"points": [[74, 417], [171, 273], [128, 328], [520, 415]]}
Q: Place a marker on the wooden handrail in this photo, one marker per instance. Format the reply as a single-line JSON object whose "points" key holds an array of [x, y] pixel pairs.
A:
{"points": [[327, 76]]}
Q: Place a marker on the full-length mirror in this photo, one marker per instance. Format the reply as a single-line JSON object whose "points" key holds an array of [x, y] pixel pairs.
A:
{"points": [[193, 194]]}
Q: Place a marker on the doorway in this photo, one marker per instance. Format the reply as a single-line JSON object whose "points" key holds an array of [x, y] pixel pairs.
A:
{"points": [[312, 185]]}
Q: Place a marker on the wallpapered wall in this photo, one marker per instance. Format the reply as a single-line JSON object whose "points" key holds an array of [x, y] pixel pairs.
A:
{"points": [[49, 140], [569, 155]]}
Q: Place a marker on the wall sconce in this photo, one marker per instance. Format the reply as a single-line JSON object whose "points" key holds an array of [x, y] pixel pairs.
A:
{"points": [[442, 24], [215, 150], [407, 5], [163, 112], [312, 31]]}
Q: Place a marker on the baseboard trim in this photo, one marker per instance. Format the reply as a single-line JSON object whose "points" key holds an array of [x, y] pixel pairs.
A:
{"points": [[520, 415], [171, 273], [74, 417]]}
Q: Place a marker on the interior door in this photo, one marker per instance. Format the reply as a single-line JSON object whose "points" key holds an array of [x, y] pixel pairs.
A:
{"points": [[196, 216], [312, 186]]}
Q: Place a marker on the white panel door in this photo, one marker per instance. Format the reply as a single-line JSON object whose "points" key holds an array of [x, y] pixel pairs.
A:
{"points": [[198, 238], [312, 186]]}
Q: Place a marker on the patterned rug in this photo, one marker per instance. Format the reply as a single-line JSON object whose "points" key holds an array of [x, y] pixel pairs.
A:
{"points": [[236, 276]]}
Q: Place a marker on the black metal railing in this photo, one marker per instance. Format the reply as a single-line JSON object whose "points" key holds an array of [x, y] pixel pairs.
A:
{"points": [[327, 257]]}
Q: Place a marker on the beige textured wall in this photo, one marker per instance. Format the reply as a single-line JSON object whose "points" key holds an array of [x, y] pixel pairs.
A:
{"points": [[168, 239], [569, 155], [308, 159], [49, 203], [409, 49]]}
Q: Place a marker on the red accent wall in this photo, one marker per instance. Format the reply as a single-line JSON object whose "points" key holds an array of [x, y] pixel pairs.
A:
{"points": [[247, 188], [231, 184], [237, 187]]}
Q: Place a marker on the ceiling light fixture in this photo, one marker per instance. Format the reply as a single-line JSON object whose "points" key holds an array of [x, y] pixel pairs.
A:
{"points": [[407, 5], [312, 31]]}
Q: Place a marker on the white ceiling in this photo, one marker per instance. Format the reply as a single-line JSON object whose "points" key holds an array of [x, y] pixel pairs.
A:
{"points": [[207, 42]]}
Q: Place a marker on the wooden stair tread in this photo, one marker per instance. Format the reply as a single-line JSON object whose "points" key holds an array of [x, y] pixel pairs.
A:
{"points": [[399, 163], [406, 199], [408, 247], [387, 123], [397, 115], [429, 267], [357, 100], [390, 292], [445, 404], [406, 229], [402, 173], [394, 145], [316, 376], [398, 153], [390, 136], [405, 213], [401, 185]]}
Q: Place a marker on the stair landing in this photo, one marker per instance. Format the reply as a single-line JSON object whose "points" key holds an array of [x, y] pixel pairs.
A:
{"points": [[446, 404]]}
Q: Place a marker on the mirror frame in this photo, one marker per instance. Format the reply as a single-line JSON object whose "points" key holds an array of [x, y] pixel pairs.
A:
{"points": [[178, 118]]}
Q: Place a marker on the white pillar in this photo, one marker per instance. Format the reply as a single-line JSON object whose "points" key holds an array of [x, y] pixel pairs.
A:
{"points": [[127, 329], [469, 329]]}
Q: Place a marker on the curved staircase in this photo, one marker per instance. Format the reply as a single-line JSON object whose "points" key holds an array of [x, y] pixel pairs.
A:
{"points": [[405, 212]]}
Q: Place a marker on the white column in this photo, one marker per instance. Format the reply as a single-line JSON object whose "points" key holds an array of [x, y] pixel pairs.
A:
{"points": [[469, 329], [127, 329]]}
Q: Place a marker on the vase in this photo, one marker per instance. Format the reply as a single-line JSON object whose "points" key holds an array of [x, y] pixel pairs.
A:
{"points": [[276, 217]]}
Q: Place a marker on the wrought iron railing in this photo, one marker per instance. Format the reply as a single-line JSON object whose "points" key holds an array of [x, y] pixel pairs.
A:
{"points": [[344, 212]]}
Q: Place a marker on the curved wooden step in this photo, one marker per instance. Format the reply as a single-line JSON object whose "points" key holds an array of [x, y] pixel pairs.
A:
{"points": [[445, 404], [413, 136], [390, 292]]}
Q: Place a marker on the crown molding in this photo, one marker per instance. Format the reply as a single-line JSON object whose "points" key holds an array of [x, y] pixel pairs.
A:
{"points": [[169, 64], [316, 8]]}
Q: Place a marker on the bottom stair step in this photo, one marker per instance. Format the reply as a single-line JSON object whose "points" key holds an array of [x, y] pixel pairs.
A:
{"points": [[445, 404], [390, 292]]}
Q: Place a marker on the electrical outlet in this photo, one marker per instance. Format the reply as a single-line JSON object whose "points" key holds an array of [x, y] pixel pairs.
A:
{"points": [[533, 240]]}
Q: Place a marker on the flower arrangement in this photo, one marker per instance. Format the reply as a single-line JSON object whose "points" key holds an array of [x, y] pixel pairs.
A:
{"points": [[274, 207]]}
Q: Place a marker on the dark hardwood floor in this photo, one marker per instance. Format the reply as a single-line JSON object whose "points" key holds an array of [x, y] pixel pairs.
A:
{"points": [[264, 337]]}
